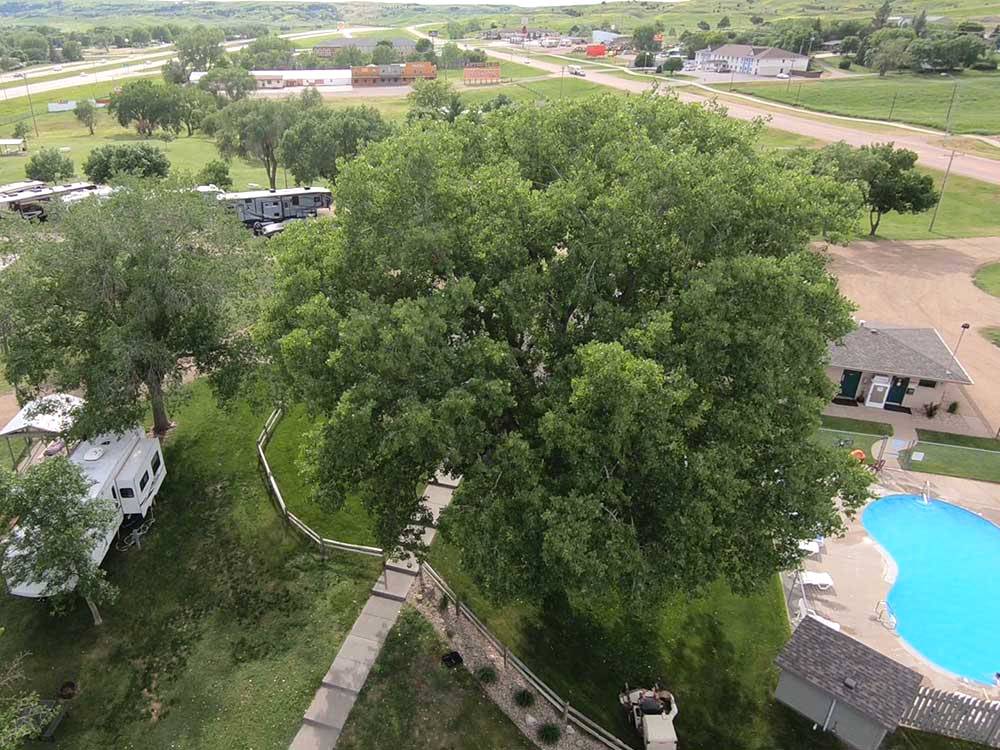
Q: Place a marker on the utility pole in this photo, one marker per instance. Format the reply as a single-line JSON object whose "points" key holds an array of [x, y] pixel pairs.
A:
{"points": [[892, 107], [732, 77], [798, 93], [941, 195], [562, 77], [954, 358], [947, 118], [27, 90]]}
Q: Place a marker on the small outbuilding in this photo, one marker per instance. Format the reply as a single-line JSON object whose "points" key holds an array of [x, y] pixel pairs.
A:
{"points": [[844, 686], [892, 367]]}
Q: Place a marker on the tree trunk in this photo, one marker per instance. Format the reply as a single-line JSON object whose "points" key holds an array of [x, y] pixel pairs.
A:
{"points": [[272, 172], [161, 421], [874, 219], [95, 612]]}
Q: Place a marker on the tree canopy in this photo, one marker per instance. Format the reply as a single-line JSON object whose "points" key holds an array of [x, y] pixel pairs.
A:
{"points": [[118, 160], [200, 47], [147, 105], [121, 297], [252, 129], [49, 165], [58, 526], [886, 176], [86, 114], [311, 148], [604, 315]]}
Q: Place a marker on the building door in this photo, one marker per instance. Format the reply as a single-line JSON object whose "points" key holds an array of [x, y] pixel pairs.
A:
{"points": [[849, 383], [898, 391], [879, 391]]}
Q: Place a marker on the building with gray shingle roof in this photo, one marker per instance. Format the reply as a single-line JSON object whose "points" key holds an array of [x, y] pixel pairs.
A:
{"points": [[892, 366], [843, 685]]}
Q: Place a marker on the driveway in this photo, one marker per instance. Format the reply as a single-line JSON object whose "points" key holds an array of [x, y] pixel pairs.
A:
{"points": [[929, 283]]}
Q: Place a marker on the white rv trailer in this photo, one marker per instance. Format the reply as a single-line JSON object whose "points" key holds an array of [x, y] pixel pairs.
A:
{"points": [[30, 202], [257, 208], [125, 470], [16, 187]]}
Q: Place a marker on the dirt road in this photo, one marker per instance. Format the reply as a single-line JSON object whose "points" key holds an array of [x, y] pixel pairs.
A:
{"points": [[929, 283], [967, 165]]}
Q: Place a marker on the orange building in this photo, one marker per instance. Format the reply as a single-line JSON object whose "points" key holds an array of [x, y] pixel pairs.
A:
{"points": [[393, 75]]}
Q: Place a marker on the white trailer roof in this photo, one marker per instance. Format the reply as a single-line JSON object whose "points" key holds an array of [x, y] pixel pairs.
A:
{"points": [[17, 187], [46, 192], [101, 457], [47, 416], [272, 193]]}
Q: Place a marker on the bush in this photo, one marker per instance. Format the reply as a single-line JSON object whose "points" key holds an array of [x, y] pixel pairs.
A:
{"points": [[931, 409], [953, 407], [549, 734], [486, 675], [21, 130], [49, 165], [524, 698], [135, 159], [215, 172], [844, 64], [672, 64], [986, 65]]}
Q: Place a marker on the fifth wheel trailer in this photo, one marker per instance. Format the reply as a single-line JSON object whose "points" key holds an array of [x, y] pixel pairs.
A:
{"points": [[258, 208], [125, 471]]}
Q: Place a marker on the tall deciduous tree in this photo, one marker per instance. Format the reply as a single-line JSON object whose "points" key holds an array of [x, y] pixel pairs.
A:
{"points": [[886, 176], [311, 147], [604, 315], [199, 48], [121, 297], [121, 160], [229, 83], [86, 114], [58, 527], [147, 106], [252, 129], [49, 165]]}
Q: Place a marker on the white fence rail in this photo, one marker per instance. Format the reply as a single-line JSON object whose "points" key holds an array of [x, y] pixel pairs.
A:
{"points": [[293, 520], [958, 716]]}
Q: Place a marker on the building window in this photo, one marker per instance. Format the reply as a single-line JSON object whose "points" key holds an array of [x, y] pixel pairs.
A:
{"points": [[927, 383], [126, 492], [155, 465], [144, 481]]}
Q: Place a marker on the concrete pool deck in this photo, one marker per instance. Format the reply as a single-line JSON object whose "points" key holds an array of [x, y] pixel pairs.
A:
{"points": [[863, 575]]}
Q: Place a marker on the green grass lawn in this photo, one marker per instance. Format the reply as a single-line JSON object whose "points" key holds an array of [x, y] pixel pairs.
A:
{"points": [[920, 99], [412, 701], [846, 424], [968, 209], [350, 524], [225, 623], [12, 450], [14, 109], [955, 456], [849, 440], [992, 335], [987, 278]]}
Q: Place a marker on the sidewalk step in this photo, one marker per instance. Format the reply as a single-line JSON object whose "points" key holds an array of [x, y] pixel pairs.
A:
{"points": [[397, 588], [407, 565]]}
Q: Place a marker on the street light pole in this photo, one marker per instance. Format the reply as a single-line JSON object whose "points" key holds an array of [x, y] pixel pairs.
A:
{"points": [[27, 90], [954, 357], [944, 182]]}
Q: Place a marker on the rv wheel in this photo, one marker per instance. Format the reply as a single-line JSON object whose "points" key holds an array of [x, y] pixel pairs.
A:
{"points": [[257, 227]]}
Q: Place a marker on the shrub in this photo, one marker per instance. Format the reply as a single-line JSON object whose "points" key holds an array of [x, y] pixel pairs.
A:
{"points": [[135, 159], [844, 64], [549, 734], [524, 698], [21, 130], [486, 675], [443, 603], [986, 65], [931, 409], [953, 407], [49, 165], [216, 172]]}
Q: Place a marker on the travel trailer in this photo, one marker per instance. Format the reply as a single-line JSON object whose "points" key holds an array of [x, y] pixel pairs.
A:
{"points": [[258, 208], [124, 470], [30, 202]]}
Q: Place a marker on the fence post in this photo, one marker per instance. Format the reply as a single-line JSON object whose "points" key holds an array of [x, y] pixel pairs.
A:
{"points": [[566, 713], [505, 656], [458, 609]]}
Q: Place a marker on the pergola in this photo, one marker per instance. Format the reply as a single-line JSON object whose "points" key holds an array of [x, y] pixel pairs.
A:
{"points": [[11, 146], [45, 418]]}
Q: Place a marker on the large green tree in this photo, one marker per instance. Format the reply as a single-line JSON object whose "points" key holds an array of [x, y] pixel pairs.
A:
{"points": [[122, 160], [200, 47], [148, 106], [122, 297], [58, 527], [886, 176], [605, 316], [311, 148], [252, 129]]}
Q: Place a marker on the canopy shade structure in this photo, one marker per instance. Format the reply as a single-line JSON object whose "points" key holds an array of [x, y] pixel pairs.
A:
{"points": [[48, 416]]}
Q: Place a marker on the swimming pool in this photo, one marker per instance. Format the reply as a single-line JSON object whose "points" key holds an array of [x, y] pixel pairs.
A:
{"points": [[947, 594]]}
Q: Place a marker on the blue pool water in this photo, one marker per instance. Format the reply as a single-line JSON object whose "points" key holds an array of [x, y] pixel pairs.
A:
{"points": [[947, 595]]}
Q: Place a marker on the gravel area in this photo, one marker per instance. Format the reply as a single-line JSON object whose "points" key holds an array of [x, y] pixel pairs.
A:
{"points": [[478, 652]]}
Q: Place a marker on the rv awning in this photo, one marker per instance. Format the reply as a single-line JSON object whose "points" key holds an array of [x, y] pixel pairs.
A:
{"points": [[47, 416]]}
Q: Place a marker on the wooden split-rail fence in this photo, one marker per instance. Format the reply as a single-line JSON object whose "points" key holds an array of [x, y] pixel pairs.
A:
{"points": [[961, 717]]}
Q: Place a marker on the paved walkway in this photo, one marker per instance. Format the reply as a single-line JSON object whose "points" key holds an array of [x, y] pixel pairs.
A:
{"points": [[327, 714]]}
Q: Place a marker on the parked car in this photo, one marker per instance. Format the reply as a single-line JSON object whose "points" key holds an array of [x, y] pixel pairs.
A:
{"points": [[783, 76], [576, 70]]}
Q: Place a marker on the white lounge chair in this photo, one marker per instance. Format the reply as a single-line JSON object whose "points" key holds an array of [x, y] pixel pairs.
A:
{"points": [[819, 579], [805, 612], [809, 546]]}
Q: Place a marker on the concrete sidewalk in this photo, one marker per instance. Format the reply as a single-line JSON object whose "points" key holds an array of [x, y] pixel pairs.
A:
{"points": [[327, 714]]}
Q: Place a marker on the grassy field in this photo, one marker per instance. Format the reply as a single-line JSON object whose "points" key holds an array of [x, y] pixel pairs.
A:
{"points": [[849, 441], [992, 335], [987, 278], [955, 456], [968, 209], [350, 524], [12, 450], [411, 700], [919, 99], [861, 426], [225, 623]]}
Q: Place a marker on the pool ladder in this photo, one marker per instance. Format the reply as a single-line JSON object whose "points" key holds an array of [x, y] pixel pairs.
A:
{"points": [[884, 615]]}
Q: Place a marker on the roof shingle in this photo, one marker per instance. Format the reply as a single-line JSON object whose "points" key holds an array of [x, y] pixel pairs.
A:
{"points": [[906, 352], [850, 671]]}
